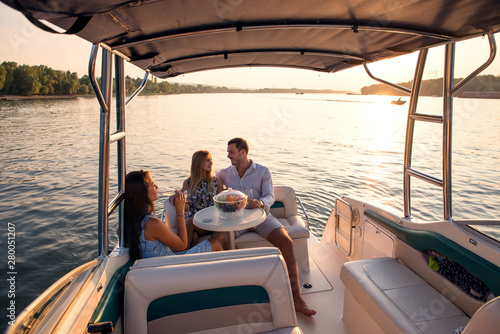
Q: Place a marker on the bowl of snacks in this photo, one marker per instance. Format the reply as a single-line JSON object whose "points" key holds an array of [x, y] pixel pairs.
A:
{"points": [[230, 203]]}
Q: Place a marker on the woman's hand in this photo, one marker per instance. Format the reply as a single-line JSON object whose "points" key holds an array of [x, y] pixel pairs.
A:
{"points": [[179, 202]]}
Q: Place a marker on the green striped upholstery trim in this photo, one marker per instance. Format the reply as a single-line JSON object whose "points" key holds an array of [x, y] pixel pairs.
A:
{"points": [[277, 204], [111, 304], [206, 299]]}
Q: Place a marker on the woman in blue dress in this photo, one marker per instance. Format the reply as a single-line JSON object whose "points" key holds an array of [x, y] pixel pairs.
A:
{"points": [[147, 236]]}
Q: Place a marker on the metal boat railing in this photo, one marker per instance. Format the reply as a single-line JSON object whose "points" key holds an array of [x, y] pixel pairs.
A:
{"points": [[306, 216], [344, 215], [104, 96], [398, 87], [445, 120]]}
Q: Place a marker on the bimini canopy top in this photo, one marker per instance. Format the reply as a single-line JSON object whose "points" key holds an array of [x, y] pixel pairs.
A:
{"points": [[173, 37]]}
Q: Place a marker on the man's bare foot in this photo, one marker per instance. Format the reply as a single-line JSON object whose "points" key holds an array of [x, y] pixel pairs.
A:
{"points": [[301, 306]]}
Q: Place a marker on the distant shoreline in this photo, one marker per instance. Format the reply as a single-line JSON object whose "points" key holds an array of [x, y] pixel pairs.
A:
{"points": [[39, 97], [264, 91], [467, 95]]}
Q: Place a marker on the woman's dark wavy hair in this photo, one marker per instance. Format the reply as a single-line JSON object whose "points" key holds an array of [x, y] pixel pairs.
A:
{"points": [[137, 205]]}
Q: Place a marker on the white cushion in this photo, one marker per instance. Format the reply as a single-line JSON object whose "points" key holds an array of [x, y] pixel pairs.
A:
{"points": [[205, 257], [398, 300], [486, 320], [170, 215], [146, 283], [285, 195]]}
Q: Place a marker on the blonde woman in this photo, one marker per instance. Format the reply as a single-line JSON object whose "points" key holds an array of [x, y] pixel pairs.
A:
{"points": [[201, 186]]}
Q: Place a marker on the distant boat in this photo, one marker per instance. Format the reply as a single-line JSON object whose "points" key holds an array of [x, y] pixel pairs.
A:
{"points": [[398, 102]]}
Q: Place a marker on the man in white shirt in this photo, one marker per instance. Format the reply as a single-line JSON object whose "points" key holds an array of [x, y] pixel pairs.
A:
{"points": [[249, 177]]}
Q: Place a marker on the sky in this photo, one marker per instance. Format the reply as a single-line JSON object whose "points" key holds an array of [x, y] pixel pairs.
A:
{"points": [[24, 43]]}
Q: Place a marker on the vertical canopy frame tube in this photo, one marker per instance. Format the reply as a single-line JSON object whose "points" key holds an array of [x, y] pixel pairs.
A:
{"points": [[410, 126], [449, 64], [104, 151], [121, 144]]}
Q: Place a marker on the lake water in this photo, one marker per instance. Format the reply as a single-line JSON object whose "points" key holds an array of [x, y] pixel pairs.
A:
{"points": [[324, 146]]}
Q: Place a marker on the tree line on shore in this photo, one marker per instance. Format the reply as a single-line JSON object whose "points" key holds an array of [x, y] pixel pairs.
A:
{"points": [[434, 87], [25, 80]]}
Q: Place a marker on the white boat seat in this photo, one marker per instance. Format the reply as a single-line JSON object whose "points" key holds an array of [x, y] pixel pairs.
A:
{"points": [[486, 320], [170, 216], [238, 291], [384, 296], [285, 209], [205, 257]]}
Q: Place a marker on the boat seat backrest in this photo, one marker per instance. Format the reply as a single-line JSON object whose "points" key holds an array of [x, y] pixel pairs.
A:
{"points": [[486, 320], [240, 291], [206, 257], [170, 215], [285, 204], [285, 210]]}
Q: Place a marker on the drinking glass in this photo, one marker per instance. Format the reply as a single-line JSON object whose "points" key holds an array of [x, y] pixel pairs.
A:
{"points": [[165, 191], [250, 194], [188, 198]]}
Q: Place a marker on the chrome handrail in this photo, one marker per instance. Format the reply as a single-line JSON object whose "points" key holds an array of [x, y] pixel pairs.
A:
{"points": [[115, 202], [304, 210], [139, 89], [349, 220], [401, 88], [493, 52], [93, 80]]}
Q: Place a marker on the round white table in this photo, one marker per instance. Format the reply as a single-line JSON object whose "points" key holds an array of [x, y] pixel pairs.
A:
{"points": [[208, 219]]}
